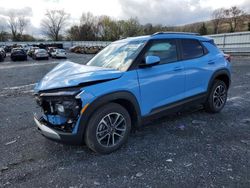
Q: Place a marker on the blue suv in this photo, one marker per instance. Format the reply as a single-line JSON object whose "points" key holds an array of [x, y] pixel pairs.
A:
{"points": [[128, 82]]}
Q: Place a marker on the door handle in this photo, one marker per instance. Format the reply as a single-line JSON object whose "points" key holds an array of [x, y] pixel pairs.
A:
{"points": [[178, 68], [211, 62]]}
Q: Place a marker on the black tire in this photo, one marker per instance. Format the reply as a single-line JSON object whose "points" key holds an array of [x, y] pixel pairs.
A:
{"points": [[96, 129], [217, 97]]}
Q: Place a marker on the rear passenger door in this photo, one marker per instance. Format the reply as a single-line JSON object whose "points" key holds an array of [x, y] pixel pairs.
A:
{"points": [[195, 60]]}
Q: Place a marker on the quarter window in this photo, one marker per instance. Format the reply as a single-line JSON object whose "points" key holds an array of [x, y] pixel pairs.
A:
{"points": [[166, 50], [191, 49]]}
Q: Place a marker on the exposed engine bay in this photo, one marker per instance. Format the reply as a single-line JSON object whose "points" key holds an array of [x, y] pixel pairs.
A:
{"points": [[59, 112]]}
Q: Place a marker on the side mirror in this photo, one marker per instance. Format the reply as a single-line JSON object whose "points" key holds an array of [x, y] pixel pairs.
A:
{"points": [[151, 61]]}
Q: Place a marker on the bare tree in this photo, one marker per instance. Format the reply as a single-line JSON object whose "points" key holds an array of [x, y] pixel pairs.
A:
{"points": [[3, 33], [22, 23], [13, 25], [217, 18], [88, 18], [54, 23], [234, 17], [17, 25]]}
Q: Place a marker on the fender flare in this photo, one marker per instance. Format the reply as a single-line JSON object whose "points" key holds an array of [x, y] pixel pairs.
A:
{"points": [[104, 99], [216, 74]]}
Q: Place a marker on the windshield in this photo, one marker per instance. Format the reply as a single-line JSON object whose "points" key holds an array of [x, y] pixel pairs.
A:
{"points": [[117, 55], [41, 51], [61, 50], [17, 50]]}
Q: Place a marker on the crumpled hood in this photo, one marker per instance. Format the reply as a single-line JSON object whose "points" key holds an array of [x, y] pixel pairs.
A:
{"points": [[68, 74]]}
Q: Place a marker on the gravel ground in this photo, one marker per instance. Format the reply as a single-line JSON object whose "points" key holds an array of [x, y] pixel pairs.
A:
{"points": [[190, 149]]}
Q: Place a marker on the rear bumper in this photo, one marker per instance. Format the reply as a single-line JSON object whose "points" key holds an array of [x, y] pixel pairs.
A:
{"points": [[59, 55], [42, 57], [55, 135]]}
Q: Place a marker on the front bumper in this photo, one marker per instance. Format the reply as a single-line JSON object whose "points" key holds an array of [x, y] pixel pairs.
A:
{"points": [[56, 135]]}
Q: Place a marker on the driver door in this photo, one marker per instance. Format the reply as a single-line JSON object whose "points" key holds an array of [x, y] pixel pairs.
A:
{"points": [[161, 84]]}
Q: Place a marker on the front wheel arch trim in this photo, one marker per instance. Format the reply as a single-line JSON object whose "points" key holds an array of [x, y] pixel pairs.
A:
{"points": [[107, 98]]}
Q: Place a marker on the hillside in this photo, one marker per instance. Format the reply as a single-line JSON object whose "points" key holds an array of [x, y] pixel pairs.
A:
{"points": [[224, 27]]}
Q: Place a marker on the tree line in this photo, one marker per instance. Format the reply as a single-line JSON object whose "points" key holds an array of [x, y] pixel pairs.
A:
{"points": [[234, 17], [92, 28]]}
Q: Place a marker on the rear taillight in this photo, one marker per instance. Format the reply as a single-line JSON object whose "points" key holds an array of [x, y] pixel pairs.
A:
{"points": [[227, 57]]}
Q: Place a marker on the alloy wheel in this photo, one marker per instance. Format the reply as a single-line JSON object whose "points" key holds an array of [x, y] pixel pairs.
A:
{"points": [[111, 129], [219, 96]]}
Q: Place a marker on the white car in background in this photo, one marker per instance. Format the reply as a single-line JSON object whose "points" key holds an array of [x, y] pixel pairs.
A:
{"points": [[59, 53]]}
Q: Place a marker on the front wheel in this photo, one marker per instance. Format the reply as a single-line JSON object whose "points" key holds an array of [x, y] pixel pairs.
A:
{"points": [[108, 128], [217, 97]]}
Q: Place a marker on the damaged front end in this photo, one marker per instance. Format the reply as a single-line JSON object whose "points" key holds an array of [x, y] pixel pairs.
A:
{"points": [[62, 99], [60, 113]]}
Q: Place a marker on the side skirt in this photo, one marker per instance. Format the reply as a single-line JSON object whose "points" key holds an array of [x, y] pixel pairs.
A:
{"points": [[175, 107]]}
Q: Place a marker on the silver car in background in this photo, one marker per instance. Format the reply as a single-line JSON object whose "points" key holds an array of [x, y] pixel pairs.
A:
{"points": [[59, 53], [40, 54]]}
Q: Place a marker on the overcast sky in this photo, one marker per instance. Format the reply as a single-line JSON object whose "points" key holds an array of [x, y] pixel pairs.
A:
{"points": [[166, 12]]}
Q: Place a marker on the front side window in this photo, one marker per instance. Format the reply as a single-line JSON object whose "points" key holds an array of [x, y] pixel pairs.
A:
{"points": [[191, 49], [165, 50]]}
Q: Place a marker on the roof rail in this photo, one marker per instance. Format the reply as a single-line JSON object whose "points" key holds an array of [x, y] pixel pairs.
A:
{"points": [[184, 33]]}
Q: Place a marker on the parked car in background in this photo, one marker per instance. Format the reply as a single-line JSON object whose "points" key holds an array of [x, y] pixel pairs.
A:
{"points": [[74, 49], [2, 51], [18, 54], [51, 50], [31, 51], [86, 49], [92, 50], [40, 54], [26, 47], [59, 53], [1, 57], [7, 49], [130, 81]]}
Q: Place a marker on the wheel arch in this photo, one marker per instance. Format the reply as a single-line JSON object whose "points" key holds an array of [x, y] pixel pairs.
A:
{"points": [[222, 74], [124, 98]]}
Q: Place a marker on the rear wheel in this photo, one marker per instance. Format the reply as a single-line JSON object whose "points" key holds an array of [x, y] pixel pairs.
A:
{"points": [[108, 128], [217, 97]]}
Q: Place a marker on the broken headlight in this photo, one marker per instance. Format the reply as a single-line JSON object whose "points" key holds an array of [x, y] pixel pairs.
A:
{"points": [[64, 105], [60, 108], [66, 108]]}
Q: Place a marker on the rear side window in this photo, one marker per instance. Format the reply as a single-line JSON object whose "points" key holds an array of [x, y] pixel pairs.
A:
{"points": [[166, 50], [191, 49]]}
